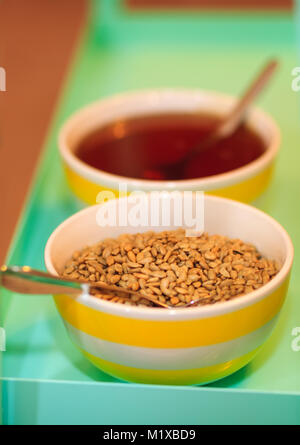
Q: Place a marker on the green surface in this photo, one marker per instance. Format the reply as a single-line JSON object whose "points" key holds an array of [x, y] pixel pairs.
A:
{"points": [[44, 375]]}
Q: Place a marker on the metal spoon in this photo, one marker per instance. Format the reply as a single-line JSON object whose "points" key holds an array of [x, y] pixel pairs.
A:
{"points": [[30, 281], [232, 121], [228, 125]]}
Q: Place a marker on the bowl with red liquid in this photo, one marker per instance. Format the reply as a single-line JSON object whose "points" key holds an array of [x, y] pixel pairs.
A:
{"points": [[139, 141]]}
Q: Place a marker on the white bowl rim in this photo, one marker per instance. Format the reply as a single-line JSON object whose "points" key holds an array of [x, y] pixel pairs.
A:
{"points": [[211, 182], [205, 311]]}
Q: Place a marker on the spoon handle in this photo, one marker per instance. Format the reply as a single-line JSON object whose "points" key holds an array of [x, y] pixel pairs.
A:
{"points": [[237, 114], [27, 281]]}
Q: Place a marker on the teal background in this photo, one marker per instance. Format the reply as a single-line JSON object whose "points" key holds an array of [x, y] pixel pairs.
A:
{"points": [[44, 378]]}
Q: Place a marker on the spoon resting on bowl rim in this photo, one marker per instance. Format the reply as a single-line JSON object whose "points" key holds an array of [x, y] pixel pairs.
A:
{"points": [[25, 280]]}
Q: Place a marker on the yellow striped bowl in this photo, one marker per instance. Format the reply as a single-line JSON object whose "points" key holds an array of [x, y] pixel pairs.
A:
{"points": [[243, 184], [178, 346]]}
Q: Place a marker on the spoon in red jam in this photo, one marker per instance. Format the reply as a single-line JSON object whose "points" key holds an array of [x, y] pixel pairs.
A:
{"points": [[221, 131]]}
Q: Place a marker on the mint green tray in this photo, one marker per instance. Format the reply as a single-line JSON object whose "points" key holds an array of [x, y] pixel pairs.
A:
{"points": [[44, 379]]}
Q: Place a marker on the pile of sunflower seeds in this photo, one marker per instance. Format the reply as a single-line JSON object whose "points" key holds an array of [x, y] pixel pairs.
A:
{"points": [[172, 268]]}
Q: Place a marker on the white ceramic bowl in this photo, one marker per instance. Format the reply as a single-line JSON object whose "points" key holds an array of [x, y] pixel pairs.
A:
{"points": [[243, 184], [178, 346]]}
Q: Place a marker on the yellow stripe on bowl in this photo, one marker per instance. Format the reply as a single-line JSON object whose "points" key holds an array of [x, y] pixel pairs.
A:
{"points": [[244, 191], [84, 189], [172, 377], [171, 334], [174, 359], [248, 190]]}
